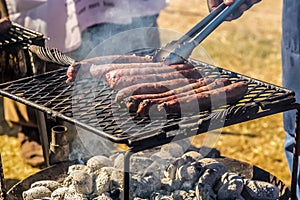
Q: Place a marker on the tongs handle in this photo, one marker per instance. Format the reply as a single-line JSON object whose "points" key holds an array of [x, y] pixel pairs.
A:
{"points": [[198, 27], [214, 22], [184, 46]]}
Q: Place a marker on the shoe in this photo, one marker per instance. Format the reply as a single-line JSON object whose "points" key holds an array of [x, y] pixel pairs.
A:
{"points": [[31, 148]]}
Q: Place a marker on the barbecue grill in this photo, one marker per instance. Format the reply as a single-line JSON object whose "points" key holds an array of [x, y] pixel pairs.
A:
{"points": [[88, 104], [15, 59]]}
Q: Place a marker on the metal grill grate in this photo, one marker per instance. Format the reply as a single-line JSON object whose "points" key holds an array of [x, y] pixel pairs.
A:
{"points": [[89, 104], [15, 59]]}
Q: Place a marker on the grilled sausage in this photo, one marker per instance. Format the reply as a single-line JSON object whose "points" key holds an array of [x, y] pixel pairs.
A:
{"points": [[152, 88], [100, 71], [132, 102], [5, 25], [145, 105], [86, 64], [123, 82], [232, 92], [148, 69]]}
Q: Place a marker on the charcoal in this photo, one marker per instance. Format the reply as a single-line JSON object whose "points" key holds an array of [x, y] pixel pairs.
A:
{"points": [[97, 162], [79, 167], [143, 186], [192, 156], [189, 172], [155, 169], [170, 184], [174, 149], [205, 192], [59, 193], [170, 171], [104, 196], [210, 177], [259, 190], [187, 185], [232, 187], [139, 164], [117, 178], [103, 180], [37, 192], [118, 161], [51, 185], [81, 181]]}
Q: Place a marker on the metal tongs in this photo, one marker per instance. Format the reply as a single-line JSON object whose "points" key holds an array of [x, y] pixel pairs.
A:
{"points": [[178, 51]]}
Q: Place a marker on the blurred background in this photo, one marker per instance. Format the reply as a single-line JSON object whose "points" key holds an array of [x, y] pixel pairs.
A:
{"points": [[250, 46]]}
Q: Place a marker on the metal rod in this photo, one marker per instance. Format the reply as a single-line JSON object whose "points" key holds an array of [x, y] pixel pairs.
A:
{"points": [[41, 122], [126, 180], [296, 150], [2, 184]]}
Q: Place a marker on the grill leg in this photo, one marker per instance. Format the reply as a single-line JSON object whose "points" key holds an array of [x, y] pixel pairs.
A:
{"points": [[41, 122], [296, 159], [126, 182]]}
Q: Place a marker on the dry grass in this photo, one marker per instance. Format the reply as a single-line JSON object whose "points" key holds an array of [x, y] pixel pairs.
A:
{"points": [[250, 46]]}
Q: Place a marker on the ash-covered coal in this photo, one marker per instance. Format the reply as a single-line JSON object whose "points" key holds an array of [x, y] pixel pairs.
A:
{"points": [[165, 173]]}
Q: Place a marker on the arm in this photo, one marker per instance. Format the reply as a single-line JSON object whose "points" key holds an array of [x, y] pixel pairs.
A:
{"points": [[212, 4]]}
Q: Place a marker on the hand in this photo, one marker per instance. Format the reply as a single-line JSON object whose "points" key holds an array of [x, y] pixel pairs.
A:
{"points": [[212, 4]]}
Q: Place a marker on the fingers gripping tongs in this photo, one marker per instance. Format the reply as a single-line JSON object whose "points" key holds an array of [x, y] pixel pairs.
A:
{"points": [[179, 50]]}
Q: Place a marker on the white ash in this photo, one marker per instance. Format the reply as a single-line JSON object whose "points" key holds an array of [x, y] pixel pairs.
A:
{"points": [[97, 162], [51, 185], [153, 176], [37, 192]]}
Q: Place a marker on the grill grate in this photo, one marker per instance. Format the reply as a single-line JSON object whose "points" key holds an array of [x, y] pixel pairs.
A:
{"points": [[18, 35], [89, 104], [15, 59]]}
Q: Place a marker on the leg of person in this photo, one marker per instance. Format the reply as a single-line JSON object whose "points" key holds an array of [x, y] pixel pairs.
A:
{"points": [[291, 71], [31, 149]]}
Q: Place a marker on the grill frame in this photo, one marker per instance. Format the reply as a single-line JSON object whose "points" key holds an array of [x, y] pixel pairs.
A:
{"points": [[236, 113], [35, 90]]}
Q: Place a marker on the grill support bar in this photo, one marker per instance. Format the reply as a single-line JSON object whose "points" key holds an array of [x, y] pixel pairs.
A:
{"points": [[42, 127], [296, 150]]}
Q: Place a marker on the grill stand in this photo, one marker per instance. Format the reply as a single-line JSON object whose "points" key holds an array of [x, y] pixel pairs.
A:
{"points": [[42, 127], [54, 109]]}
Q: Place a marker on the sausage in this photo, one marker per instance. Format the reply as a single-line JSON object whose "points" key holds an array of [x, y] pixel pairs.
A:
{"points": [[123, 82], [100, 71], [5, 25], [145, 105], [148, 69], [152, 88], [86, 64], [233, 92], [132, 102]]}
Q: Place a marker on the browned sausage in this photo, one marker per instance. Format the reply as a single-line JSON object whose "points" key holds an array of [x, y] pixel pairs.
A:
{"points": [[220, 96], [148, 69], [132, 102], [100, 71], [85, 65], [152, 88], [5, 25], [144, 106], [123, 82]]}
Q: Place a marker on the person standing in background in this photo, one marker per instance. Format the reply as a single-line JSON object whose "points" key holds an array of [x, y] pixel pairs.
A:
{"points": [[290, 48]]}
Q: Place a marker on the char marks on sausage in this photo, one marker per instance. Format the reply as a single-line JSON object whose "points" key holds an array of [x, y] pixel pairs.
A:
{"points": [[220, 96], [123, 82], [145, 105], [95, 63]]}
